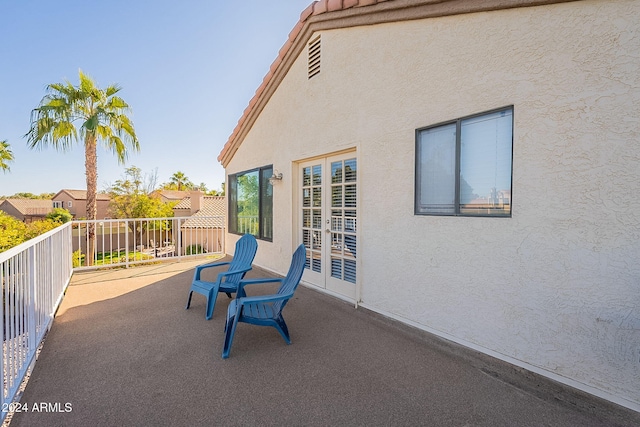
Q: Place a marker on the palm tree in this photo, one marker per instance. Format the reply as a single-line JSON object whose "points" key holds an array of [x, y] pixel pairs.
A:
{"points": [[6, 156], [102, 117], [180, 180]]}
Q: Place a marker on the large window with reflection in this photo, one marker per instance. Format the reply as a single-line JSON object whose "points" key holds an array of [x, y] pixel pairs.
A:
{"points": [[464, 167], [251, 203]]}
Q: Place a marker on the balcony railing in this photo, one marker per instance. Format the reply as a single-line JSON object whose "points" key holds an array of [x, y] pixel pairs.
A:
{"points": [[125, 242], [34, 276]]}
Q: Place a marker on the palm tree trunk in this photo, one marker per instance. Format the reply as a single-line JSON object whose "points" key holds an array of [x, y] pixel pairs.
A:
{"points": [[91, 171]]}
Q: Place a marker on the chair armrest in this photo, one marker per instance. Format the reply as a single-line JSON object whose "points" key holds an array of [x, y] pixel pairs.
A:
{"points": [[230, 272], [242, 283], [264, 298], [199, 268]]}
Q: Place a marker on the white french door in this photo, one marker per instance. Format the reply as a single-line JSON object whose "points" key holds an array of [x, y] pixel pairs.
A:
{"points": [[328, 216]]}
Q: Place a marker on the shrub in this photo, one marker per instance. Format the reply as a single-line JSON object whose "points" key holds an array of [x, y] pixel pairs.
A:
{"points": [[78, 259], [194, 250]]}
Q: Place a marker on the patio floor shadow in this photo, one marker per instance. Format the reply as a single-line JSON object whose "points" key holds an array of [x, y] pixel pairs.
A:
{"points": [[123, 351]]}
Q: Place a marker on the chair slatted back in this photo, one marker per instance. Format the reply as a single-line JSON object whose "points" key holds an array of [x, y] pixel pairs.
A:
{"points": [[246, 248], [293, 277]]}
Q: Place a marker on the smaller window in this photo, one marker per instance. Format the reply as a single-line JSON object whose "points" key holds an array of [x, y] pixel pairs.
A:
{"points": [[464, 167], [69, 204]]}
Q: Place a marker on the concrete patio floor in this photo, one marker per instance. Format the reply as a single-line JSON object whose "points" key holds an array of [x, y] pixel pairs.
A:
{"points": [[123, 351]]}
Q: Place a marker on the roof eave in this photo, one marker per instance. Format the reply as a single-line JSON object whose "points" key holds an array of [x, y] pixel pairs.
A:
{"points": [[333, 14]]}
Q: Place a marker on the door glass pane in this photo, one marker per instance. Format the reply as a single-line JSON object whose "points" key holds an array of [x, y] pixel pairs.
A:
{"points": [[306, 238], [336, 196], [336, 243], [317, 240], [306, 197], [316, 262], [317, 175], [350, 196], [336, 268], [306, 218], [485, 164], [317, 197], [317, 218], [336, 223], [350, 270], [336, 172], [350, 167], [306, 177], [436, 170]]}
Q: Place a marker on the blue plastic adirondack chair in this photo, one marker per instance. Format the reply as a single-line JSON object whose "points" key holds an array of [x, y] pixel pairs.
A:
{"points": [[264, 310], [227, 282]]}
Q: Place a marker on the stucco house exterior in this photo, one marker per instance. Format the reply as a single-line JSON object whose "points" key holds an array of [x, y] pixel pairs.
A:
{"points": [[469, 168], [204, 229], [26, 210], [75, 201]]}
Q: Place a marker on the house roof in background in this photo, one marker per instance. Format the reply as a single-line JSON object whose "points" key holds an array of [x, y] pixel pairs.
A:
{"points": [[29, 206], [331, 14], [173, 195], [212, 206], [81, 195]]}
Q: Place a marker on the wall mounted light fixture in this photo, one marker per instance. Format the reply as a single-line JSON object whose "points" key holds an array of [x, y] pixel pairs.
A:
{"points": [[277, 176]]}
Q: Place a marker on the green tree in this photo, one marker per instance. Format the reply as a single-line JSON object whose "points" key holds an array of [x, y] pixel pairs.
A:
{"points": [[129, 199], [36, 228], [6, 156], [59, 215], [12, 231], [102, 116]]}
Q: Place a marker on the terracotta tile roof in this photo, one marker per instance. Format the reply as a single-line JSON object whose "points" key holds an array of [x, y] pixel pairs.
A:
{"points": [[210, 202], [329, 14], [172, 194], [30, 206], [212, 206], [81, 195]]}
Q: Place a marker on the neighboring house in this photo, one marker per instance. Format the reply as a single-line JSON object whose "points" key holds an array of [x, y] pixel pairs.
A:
{"points": [[27, 210], [469, 168], [205, 227], [167, 196], [75, 201]]}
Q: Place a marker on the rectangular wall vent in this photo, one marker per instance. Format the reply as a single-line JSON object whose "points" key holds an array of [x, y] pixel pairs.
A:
{"points": [[314, 57]]}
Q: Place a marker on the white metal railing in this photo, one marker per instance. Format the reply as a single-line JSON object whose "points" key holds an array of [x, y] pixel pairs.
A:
{"points": [[34, 276], [125, 242], [248, 224]]}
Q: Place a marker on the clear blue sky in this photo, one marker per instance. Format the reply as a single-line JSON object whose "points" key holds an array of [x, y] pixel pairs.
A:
{"points": [[187, 68]]}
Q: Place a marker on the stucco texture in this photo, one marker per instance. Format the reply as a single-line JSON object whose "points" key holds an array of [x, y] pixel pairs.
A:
{"points": [[556, 287]]}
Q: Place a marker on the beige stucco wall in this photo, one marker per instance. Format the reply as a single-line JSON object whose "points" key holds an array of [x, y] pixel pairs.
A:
{"points": [[78, 208], [555, 288]]}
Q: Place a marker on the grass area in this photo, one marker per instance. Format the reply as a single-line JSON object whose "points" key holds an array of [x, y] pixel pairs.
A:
{"points": [[109, 258]]}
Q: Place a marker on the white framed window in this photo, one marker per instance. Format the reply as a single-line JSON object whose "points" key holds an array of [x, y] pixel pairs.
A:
{"points": [[464, 167], [69, 204], [57, 204]]}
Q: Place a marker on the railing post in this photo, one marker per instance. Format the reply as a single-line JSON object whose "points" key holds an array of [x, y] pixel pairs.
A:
{"points": [[126, 241], [32, 278], [179, 239]]}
